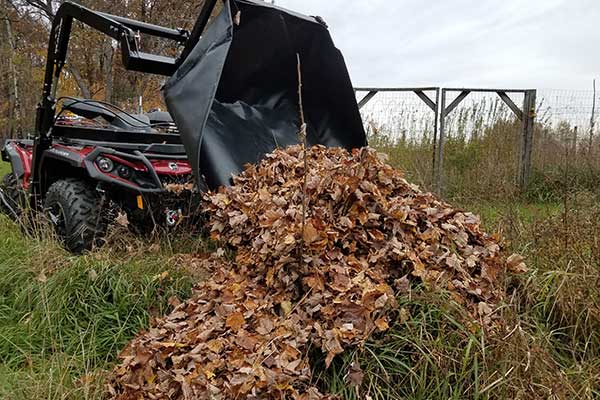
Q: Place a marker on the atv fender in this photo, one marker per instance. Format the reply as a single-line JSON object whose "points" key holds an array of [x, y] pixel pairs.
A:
{"points": [[64, 162], [64, 154]]}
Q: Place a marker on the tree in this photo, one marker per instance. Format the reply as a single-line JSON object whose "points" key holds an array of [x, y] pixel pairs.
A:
{"points": [[93, 67]]}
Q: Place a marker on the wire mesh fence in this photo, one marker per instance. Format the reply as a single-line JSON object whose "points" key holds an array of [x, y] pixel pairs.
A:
{"points": [[484, 141], [574, 107], [478, 112], [404, 126], [398, 115], [403, 115]]}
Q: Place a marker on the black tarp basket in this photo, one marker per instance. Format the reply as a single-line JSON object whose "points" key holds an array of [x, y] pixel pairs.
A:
{"points": [[235, 97]]}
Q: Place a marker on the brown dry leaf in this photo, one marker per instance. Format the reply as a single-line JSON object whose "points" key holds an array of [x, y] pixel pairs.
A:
{"points": [[333, 347], [178, 188], [286, 307], [235, 321], [215, 345], [402, 284], [382, 324], [289, 239], [42, 278], [355, 375], [515, 264], [161, 277], [121, 219], [174, 301], [310, 234], [404, 315], [247, 331]]}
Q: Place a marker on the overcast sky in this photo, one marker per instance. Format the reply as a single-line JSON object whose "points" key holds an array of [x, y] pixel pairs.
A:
{"points": [[544, 44]]}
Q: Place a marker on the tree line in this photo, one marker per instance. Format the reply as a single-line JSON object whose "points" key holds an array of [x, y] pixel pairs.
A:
{"points": [[93, 69]]}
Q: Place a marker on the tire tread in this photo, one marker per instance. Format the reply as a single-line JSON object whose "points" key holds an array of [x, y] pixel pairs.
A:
{"points": [[84, 224]]}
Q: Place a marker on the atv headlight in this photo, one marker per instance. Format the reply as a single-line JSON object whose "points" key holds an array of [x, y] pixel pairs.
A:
{"points": [[105, 164], [124, 172]]}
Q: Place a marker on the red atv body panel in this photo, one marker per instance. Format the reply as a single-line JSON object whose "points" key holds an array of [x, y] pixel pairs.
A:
{"points": [[20, 153]]}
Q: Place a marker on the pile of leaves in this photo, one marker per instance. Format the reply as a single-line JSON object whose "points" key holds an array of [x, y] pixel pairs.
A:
{"points": [[317, 262]]}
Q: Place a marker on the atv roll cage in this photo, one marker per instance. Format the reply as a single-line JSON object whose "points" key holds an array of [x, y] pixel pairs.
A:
{"points": [[125, 31]]}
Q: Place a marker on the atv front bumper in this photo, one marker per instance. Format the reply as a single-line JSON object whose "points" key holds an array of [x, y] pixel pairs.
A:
{"points": [[141, 174]]}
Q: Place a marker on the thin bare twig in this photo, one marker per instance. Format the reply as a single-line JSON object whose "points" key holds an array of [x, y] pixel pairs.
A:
{"points": [[302, 137]]}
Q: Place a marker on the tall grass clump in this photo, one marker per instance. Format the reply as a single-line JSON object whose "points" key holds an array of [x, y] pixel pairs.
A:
{"points": [[64, 319], [482, 151], [430, 354], [563, 290]]}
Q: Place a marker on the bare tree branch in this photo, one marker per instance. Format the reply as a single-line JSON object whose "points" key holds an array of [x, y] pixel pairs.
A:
{"points": [[44, 6], [14, 6], [83, 86]]}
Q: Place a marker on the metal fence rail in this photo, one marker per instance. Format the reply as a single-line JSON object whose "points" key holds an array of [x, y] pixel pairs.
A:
{"points": [[442, 108]]}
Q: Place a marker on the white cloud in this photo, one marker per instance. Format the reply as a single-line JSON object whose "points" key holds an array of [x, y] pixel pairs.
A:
{"points": [[501, 43]]}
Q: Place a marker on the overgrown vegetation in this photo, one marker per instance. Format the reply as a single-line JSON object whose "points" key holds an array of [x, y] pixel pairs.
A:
{"points": [[484, 167], [64, 319]]}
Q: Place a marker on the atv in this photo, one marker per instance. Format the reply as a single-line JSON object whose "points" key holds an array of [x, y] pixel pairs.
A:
{"points": [[91, 157], [242, 85], [101, 159]]}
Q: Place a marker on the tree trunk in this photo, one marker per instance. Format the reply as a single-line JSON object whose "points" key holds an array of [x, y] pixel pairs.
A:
{"points": [[84, 88], [140, 82], [14, 122], [107, 69]]}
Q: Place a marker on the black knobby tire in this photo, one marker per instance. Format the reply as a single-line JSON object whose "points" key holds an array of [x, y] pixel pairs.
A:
{"points": [[14, 195], [75, 210]]}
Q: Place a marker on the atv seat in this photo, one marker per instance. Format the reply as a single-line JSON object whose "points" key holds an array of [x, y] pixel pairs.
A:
{"points": [[92, 109]]}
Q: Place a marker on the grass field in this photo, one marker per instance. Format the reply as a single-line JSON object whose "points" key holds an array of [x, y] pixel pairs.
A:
{"points": [[64, 319]]}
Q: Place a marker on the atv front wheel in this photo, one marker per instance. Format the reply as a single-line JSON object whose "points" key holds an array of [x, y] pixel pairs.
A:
{"points": [[14, 197], [75, 210]]}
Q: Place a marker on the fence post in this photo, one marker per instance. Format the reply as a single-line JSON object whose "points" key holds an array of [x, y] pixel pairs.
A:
{"points": [[529, 104], [440, 147], [435, 135]]}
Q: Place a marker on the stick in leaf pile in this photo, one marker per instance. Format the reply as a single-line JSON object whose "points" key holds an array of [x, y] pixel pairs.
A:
{"points": [[302, 137]]}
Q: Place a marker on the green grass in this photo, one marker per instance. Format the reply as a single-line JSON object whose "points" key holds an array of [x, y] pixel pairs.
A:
{"points": [[492, 213], [428, 355], [64, 319], [4, 168]]}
